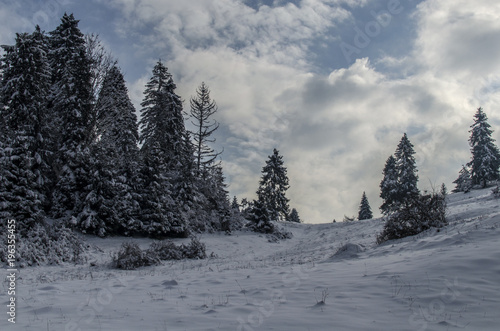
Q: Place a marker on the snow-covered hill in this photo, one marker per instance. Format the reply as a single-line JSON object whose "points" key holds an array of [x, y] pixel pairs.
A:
{"points": [[328, 277]]}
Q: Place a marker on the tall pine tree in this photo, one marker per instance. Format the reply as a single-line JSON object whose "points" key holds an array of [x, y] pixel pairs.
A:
{"points": [[388, 186], [407, 171], [112, 205], [365, 211], [273, 186], [23, 171], [399, 184], [71, 101], [234, 204], [167, 178], [485, 154]]}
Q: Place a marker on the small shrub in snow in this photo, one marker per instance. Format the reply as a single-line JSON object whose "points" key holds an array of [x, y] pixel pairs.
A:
{"points": [[416, 215], [278, 235], [496, 191], [194, 250], [167, 250], [324, 294], [130, 256]]}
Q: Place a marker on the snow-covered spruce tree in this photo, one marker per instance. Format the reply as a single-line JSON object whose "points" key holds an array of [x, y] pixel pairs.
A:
{"points": [[219, 206], [112, 205], [235, 205], [463, 182], [485, 154], [406, 170], [294, 216], [388, 186], [202, 108], [260, 218], [365, 211], [443, 190], [167, 172], [71, 106], [246, 207], [213, 208], [273, 186], [417, 214], [23, 165]]}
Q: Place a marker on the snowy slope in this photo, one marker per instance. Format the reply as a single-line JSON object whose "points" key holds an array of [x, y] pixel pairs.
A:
{"points": [[328, 277]]}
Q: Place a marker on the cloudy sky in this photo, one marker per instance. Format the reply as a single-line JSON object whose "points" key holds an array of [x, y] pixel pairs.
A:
{"points": [[332, 84]]}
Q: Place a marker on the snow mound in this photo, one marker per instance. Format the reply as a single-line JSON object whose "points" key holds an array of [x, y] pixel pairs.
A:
{"points": [[348, 251]]}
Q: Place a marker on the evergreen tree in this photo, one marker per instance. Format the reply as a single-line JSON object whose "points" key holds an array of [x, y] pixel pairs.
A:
{"points": [[485, 154], [463, 182], [444, 190], [388, 186], [24, 89], [167, 157], [365, 212], [246, 207], [202, 108], [71, 102], [294, 216], [234, 204], [273, 186], [112, 205], [406, 171], [400, 178], [417, 214], [260, 218], [218, 200]]}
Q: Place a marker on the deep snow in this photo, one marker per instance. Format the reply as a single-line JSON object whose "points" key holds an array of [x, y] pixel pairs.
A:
{"points": [[328, 277]]}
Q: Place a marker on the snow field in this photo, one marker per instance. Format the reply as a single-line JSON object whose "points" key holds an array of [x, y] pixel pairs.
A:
{"points": [[327, 277]]}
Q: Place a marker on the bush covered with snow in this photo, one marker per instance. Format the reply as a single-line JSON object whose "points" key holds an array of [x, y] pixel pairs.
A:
{"points": [[416, 215], [167, 250], [47, 244], [279, 234], [131, 256], [194, 250]]}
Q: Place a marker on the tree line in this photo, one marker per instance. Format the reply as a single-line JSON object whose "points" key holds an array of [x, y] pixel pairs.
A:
{"points": [[73, 150], [406, 210]]}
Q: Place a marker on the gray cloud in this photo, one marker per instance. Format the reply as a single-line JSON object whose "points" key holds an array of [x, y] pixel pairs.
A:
{"points": [[334, 130]]}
